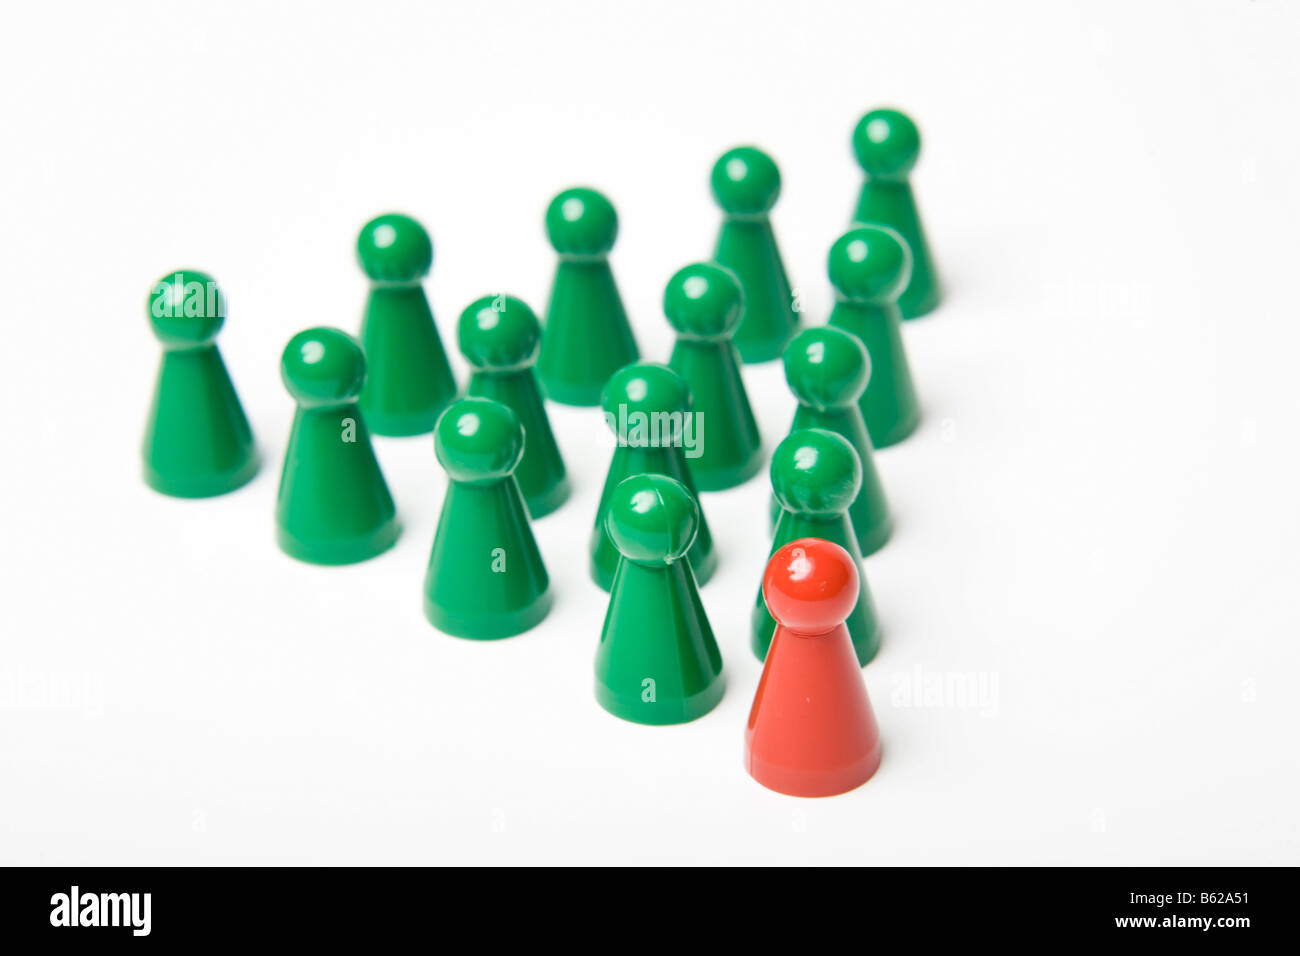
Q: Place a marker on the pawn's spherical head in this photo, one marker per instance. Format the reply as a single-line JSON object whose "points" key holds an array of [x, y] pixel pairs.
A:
{"points": [[186, 309], [652, 519], [323, 367], [826, 367], [746, 182], [581, 222], [811, 585], [394, 249], [870, 264], [704, 301], [886, 143], [499, 332], [478, 440], [638, 392], [815, 471]]}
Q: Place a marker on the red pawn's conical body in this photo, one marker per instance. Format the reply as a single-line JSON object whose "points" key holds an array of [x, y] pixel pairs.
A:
{"points": [[811, 731]]}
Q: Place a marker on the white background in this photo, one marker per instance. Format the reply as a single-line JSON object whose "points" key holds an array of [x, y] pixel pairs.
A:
{"points": [[1097, 519]]}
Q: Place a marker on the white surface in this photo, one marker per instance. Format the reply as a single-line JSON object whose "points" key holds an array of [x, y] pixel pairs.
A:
{"points": [[1098, 517]]}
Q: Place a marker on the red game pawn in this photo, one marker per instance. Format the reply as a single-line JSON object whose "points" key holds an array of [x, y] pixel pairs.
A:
{"points": [[811, 732]]}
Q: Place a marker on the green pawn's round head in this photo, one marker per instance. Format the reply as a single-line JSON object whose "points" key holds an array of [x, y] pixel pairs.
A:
{"points": [[394, 250], [186, 310], [478, 441], [703, 301], [826, 367], [636, 394], [499, 333], [746, 182], [652, 519], [815, 472], [581, 224], [886, 144], [323, 368], [870, 265]]}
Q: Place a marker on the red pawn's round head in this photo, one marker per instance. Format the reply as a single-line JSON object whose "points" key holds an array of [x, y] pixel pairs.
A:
{"points": [[810, 585]]}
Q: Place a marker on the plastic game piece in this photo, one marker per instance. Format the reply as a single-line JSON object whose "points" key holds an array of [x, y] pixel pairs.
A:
{"points": [[746, 184], [811, 730], [657, 662], [333, 506], [587, 336], [648, 408], [486, 578], [887, 145], [827, 370], [197, 442], [816, 475], [409, 381], [868, 266], [703, 303], [499, 336]]}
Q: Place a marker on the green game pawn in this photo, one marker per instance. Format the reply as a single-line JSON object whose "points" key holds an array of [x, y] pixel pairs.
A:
{"points": [[409, 381], [499, 337], [827, 371], [868, 268], [746, 184], [486, 579], [333, 506], [703, 303], [587, 336], [658, 662], [648, 408], [816, 475], [197, 442], [887, 145]]}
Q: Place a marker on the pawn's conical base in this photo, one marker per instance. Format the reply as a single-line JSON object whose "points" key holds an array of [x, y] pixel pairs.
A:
{"points": [[203, 486], [488, 627], [540, 506], [748, 248], [340, 550], [404, 426], [486, 579], [890, 407], [197, 441], [720, 479], [408, 378], [681, 710], [541, 475], [811, 730], [890, 435], [894, 204], [658, 662], [587, 337], [915, 307], [334, 506], [813, 783], [729, 446], [564, 393], [876, 538]]}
